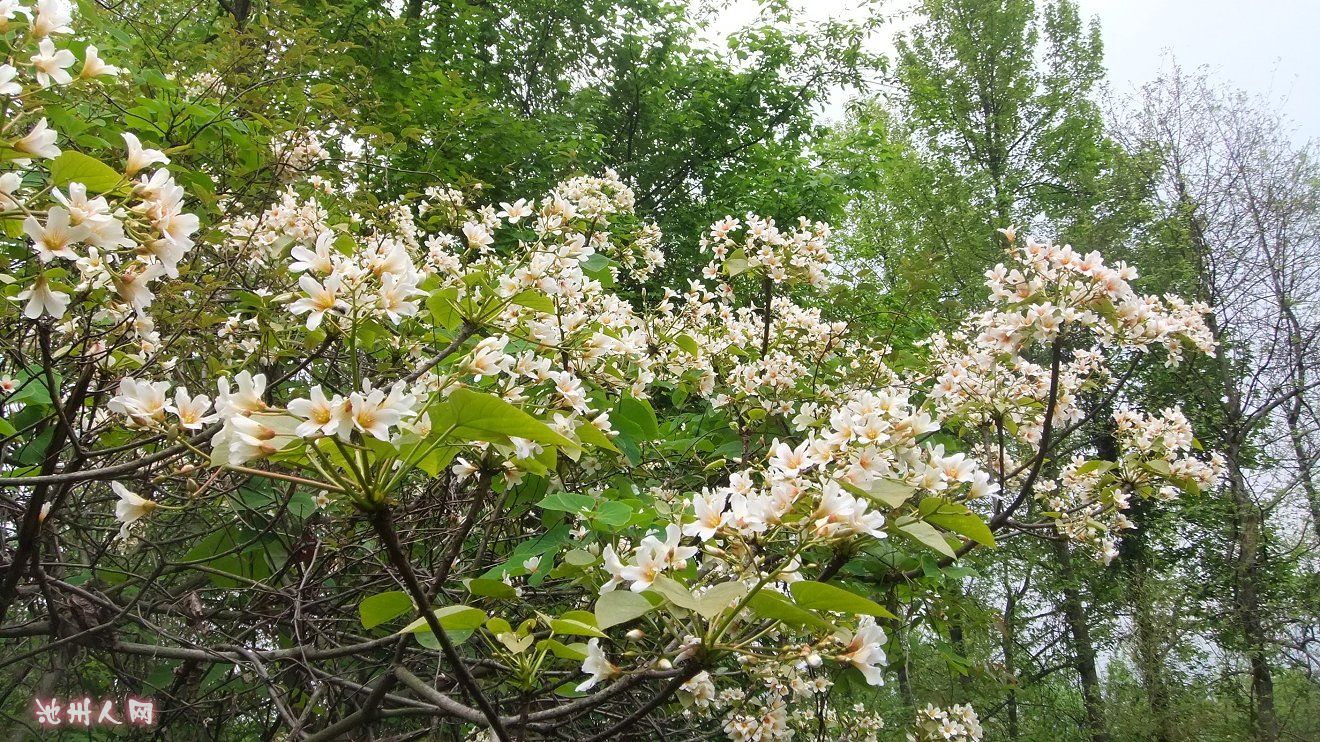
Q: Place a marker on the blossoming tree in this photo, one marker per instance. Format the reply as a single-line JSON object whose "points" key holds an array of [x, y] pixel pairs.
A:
{"points": [[435, 459]]}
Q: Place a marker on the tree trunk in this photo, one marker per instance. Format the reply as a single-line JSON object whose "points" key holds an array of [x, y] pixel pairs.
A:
{"points": [[1074, 614], [1246, 579], [1008, 643], [1150, 651]]}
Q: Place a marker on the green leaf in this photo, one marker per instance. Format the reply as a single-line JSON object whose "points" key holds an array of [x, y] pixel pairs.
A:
{"points": [[569, 502], [674, 592], [576, 651], [485, 417], [579, 558], [637, 418], [574, 627], [688, 343], [772, 605], [456, 617], [613, 513], [491, 588], [592, 436], [71, 167], [958, 519], [825, 597], [381, 607], [890, 491], [924, 533], [719, 598], [1097, 465], [443, 305], [533, 299], [620, 606]]}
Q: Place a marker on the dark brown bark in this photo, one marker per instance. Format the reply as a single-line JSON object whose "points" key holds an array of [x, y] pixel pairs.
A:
{"points": [[1074, 614]]}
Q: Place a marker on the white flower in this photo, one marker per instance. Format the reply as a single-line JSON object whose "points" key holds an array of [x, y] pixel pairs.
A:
{"points": [[788, 460], [374, 415], [317, 261], [94, 66], [524, 448], [676, 556], [8, 9], [463, 468], [597, 665], [55, 238], [321, 298], [52, 17], [138, 157], [250, 438], [321, 415], [865, 651], [709, 509], [144, 403], [477, 236], [651, 561], [191, 411], [612, 564], [246, 399], [7, 84], [130, 508], [395, 296], [39, 142], [51, 64], [93, 215], [515, 211], [42, 299], [131, 285]]}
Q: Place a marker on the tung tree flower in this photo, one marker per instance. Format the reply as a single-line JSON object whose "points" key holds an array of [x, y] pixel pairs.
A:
{"points": [[52, 65], [597, 664], [131, 507], [322, 416], [865, 651], [139, 157], [42, 299], [52, 17], [39, 142]]}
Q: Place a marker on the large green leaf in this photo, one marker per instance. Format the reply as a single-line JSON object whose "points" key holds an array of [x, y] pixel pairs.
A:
{"points": [[772, 605], [485, 417], [620, 606], [381, 607], [637, 418], [719, 598], [574, 627], [456, 617], [825, 597], [76, 167], [890, 491], [491, 588], [674, 592], [958, 519], [925, 534]]}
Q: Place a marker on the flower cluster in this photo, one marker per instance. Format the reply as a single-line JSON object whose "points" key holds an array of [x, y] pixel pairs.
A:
{"points": [[758, 244], [297, 152], [119, 236], [1157, 459], [378, 279], [1050, 288], [957, 723], [764, 708], [1082, 316]]}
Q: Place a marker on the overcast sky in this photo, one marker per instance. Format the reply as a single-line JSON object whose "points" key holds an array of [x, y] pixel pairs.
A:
{"points": [[1268, 47]]}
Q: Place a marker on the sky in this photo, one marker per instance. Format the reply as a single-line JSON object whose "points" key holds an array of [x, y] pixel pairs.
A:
{"points": [[1265, 47]]}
